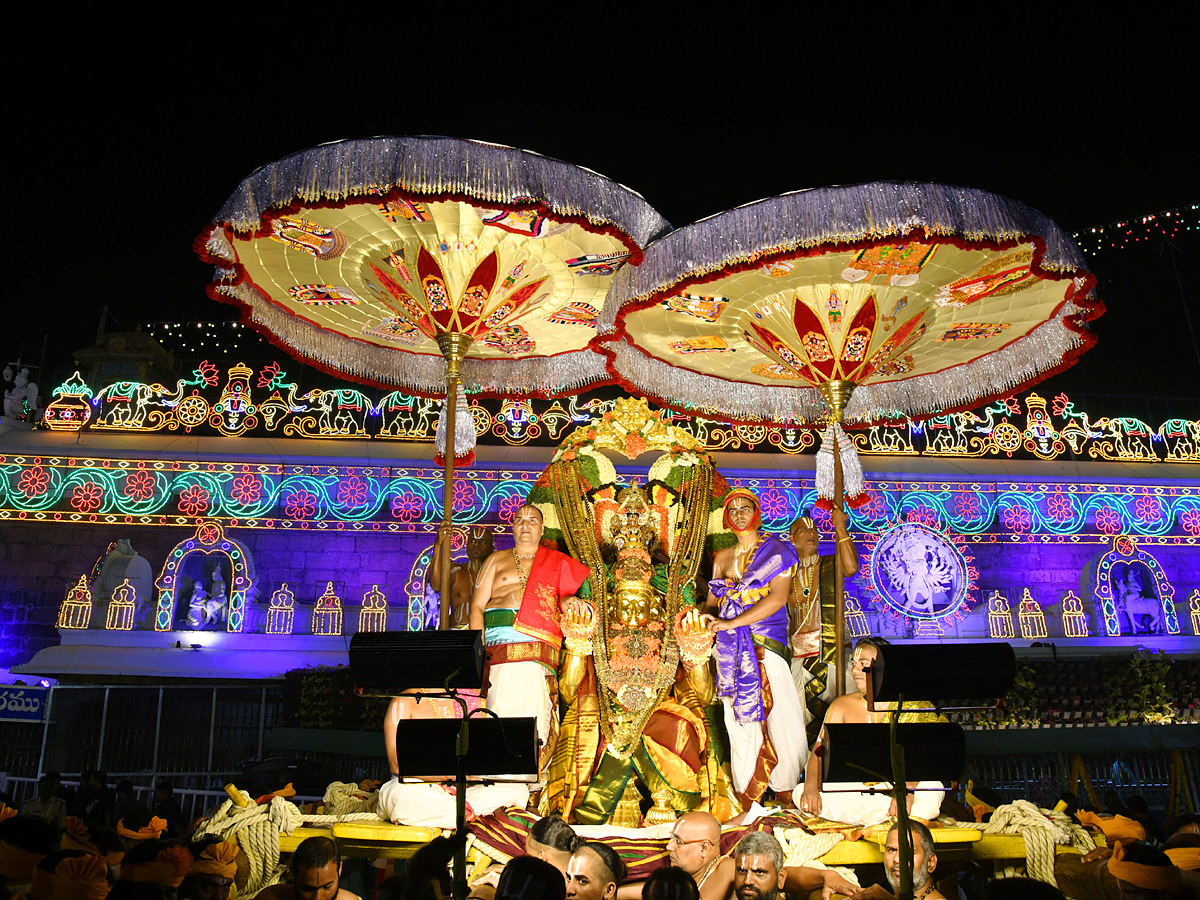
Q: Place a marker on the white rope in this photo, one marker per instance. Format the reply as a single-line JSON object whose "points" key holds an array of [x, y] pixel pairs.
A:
{"points": [[256, 830], [1042, 829], [342, 798], [803, 849]]}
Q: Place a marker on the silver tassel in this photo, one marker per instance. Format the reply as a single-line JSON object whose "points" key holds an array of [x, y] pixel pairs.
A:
{"points": [[464, 429]]}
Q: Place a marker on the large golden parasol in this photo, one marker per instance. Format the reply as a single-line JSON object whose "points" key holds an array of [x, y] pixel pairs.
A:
{"points": [[857, 303], [426, 262]]}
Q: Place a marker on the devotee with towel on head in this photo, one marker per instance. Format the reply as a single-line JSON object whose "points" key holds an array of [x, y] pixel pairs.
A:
{"points": [[316, 874], [102, 842], [1145, 872], [152, 870], [213, 871], [140, 825], [847, 801], [518, 600], [24, 842], [594, 872], [747, 611], [70, 875]]}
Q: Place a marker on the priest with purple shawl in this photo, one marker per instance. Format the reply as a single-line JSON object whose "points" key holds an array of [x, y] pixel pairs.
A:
{"points": [[763, 713]]}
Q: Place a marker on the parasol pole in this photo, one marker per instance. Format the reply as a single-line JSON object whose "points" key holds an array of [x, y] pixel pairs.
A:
{"points": [[454, 345], [837, 395]]}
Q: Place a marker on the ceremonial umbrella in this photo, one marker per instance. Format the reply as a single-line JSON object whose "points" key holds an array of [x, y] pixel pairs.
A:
{"points": [[421, 262], [860, 303]]}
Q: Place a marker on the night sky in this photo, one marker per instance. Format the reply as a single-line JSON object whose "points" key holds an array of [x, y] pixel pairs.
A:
{"points": [[120, 152]]}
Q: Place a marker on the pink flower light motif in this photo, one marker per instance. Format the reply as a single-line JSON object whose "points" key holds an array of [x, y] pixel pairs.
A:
{"points": [[194, 501], [407, 507], [1147, 508], [246, 489], [1017, 519], [139, 485], [353, 491], [33, 482], [773, 504], [86, 497], [1189, 519], [966, 507], [463, 496], [300, 504], [874, 508], [922, 515], [1108, 520], [1059, 506], [509, 507]]}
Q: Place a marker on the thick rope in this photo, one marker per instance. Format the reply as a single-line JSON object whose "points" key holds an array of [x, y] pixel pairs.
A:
{"points": [[342, 798], [803, 849], [256, 830], [1042, 830]]}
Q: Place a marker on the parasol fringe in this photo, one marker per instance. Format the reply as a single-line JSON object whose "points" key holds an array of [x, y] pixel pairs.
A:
{"points": [[422, 373], [993, 375], [836, 440], [841, 214], [441, 165], [464, 433]]}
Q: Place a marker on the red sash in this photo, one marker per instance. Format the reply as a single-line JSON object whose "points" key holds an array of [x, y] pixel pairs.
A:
{"points": [[552, 575]]}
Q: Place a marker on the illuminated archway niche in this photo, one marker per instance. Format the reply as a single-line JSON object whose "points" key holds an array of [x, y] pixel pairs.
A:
{"points": [[1133, 591], [233, 560]]}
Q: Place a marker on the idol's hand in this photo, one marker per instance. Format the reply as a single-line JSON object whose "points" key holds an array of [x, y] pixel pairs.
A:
{"points": [[693, 622], [580, 618]]}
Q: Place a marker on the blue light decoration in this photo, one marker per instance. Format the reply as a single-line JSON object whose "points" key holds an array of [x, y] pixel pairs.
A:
{"points": [[1121, 591], [922, 573], [208, 540]]}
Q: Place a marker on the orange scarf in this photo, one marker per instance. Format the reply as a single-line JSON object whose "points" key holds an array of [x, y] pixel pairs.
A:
{"points": [[1115, 828], [149, 832], [16, 863], [78, 837], [77, 878], [1152, 878], [168, 868], [217, 859]]}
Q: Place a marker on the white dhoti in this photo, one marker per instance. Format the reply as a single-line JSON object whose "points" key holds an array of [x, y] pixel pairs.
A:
{"points": [[433, 805], [847, 802], [520, 689], [785, 725]]}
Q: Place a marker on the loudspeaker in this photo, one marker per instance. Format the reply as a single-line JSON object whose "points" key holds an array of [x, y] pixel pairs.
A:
{"points": [[933, 751], [388, 662]]}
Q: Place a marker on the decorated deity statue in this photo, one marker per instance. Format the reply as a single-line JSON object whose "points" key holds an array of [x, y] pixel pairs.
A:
{"points": [[637, 675], [638, 680]]}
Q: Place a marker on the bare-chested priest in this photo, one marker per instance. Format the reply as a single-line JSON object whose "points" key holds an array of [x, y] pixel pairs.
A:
{"points": [[518, 600], [847, 801]]}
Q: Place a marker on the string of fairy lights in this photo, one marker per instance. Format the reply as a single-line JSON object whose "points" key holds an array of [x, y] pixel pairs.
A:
{"points": [[207, 339], [1166, 225]]}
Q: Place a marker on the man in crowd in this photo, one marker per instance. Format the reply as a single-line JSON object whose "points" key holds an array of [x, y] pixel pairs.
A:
{"points": [[94, 801], [213, 871], [45, 805], [846, 801], [763, 715], [758, 872], [518, 599], [924, 864], [24, 842], [316, 872], [456, 612], [594, 872], [811, 609]]}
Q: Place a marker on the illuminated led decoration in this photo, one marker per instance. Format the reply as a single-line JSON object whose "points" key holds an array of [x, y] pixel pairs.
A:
{"points": [[921, 573], [1155, 227], [1000, 623], [209, 553], [414, 590], [1133, 591], [1045, 429], [76, 608], [1074, 619], [1033, 620], [372, 616], [253, 494], [281, 615], [70, 409], [856, 621], [1194, 607], [233, 414], [327, 614], [121, 607]]}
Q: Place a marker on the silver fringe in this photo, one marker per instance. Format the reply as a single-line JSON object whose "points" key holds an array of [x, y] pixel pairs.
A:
{"points": [[423, 373], [990, 376], [492, 173], [820, 215]]}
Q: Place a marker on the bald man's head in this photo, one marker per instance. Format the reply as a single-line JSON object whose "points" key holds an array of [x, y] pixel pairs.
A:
{"points": [[695, 841]]}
